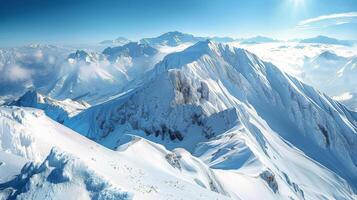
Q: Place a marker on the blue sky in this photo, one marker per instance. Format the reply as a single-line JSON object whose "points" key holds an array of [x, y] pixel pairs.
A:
{"points": [[79, 21]]}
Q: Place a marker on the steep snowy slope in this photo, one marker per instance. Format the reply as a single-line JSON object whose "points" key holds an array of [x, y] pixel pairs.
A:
{"points": [[140, 169], [73, 167], [55, 109], [261, 161], [200, 93]]}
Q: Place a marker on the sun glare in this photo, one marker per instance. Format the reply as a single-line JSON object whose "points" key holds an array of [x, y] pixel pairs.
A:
{"points": [[297, 2]]}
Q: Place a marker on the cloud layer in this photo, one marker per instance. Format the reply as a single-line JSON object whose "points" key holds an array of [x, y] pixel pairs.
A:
{"points": [[324, 21]]}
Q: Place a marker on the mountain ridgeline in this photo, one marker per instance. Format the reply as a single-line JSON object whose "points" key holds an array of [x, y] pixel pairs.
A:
{"points": [[208, 89]]}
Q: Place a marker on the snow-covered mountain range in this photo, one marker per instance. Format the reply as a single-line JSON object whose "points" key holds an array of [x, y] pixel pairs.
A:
{"points": [[210, 121]]}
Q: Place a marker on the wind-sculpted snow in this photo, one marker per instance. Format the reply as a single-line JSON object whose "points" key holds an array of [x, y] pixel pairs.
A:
{"points": [[263, 162], [58, 175], [64, 164], [175, 105]]}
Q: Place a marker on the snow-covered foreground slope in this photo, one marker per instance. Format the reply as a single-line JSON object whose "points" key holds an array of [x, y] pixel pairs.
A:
{"points": [[71, 166], [55, 109], [194, 97]]}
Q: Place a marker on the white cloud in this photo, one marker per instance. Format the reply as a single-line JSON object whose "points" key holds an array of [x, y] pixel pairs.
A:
{"points": [[328, 20], [17, 73]]}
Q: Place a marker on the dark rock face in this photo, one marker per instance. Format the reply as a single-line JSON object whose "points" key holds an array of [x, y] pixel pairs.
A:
{"points": [[269, 177]]}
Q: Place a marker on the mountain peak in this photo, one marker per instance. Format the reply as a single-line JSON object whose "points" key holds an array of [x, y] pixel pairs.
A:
{"points": [[118, 41], [78, 55], [203, 45], [173, 38], [28, 99], [329, 55], [174, 33], [82, 56], [132, 49]]}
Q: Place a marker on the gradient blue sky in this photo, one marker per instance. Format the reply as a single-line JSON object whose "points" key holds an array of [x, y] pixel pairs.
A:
{"points": [[79, 21]]}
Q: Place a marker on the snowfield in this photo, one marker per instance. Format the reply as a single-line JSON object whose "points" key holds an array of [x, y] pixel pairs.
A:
{"points": [[68, 163]]}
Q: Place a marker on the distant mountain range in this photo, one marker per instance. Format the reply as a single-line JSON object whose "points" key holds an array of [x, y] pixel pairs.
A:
{"points": [[176, 38], [257, 40], [327, 40]]}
